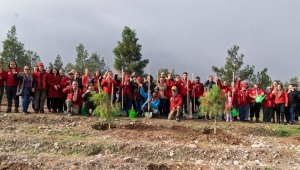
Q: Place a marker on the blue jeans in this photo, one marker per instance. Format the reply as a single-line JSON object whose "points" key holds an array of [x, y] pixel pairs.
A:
{"points": [[243, 112], [128, 105], [138, 105], [292, 114], [25, 99]]}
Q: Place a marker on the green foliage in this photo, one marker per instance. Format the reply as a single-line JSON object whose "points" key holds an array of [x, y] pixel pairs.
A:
{"points": [[33, 57], [294, 80], [262, 77], [128, 53], [96, 63], [50, 65], [166, 71], [234, 63], [58, 63], [81, 60], [13, 50], [213, 102], [105, 110], [69, 67]]}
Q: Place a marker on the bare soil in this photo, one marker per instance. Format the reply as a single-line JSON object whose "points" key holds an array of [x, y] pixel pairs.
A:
{"points": [[56, 141]]}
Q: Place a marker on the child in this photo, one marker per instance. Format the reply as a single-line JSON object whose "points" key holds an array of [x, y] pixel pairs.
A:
{"points": [[87, 104], [229, 105]]}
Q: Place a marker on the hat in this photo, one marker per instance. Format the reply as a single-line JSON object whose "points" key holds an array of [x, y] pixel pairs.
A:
{"points": [[139, 79], [70, 73], [245, 84], [174, 88], [40, 64]]}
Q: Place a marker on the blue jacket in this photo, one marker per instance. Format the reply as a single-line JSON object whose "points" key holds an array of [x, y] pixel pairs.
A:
{"points": [[154, 104]]}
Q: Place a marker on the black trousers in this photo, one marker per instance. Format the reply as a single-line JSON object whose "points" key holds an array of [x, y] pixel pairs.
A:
{"points": [[197, 103], [11, 94], [185, 107], [64, 98], [55, 102], [254, 109], [280, 110]]}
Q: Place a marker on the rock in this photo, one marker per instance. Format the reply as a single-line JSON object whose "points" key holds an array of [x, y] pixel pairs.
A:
{"points": [[257, 162], [107, 152], [56, 145], [73, 167], [172, 153], [74, 124], [192, 146], [3, 150], [129, 160], [99, 155], [37, 145], [10, 128], [236, 163], [200, 161]]}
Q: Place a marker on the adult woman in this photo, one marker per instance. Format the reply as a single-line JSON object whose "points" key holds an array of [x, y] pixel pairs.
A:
{"points": [[48, 70], [267, 105], [2, 74], [11, 86], [26, 87], [54, 90], [281, 101], [78, 79], [86, 79], [96, 80]]}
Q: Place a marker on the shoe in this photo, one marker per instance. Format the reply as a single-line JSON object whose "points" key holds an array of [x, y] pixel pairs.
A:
{"points": [[177, 119], [36, 111], [8, 110], [42, 111], [69, 113], [251, 119], [16, 111], [25, 113], [49, 110], [65, 112]]}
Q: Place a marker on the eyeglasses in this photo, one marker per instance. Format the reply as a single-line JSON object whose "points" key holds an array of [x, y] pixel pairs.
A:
{"points": [[26, 69]]}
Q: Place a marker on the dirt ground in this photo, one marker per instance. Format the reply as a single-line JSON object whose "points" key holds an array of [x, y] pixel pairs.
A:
{"points": [[56, 141]]}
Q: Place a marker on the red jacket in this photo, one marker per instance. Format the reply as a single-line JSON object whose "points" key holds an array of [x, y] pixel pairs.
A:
{"points": [[252, 93], [107, 85], [126, 89], [174, 100], [225, 89], [269, 100], [243, 97], [9, 78], [70, 92], [85, 82], [41, 80], [198, 90], [184, 86], [52, 92], [65, 82], [2, 76], [170, 83], [283, 98]]}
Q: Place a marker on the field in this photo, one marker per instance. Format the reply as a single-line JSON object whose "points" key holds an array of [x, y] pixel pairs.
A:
{"points": [[55, 141]]}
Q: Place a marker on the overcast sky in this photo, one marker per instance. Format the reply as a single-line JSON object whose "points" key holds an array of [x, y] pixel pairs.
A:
{"points": [[188, 35]]}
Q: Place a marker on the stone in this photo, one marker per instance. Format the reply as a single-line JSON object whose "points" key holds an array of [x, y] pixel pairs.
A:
{"points": [[99, 155], [236, 163], [200, 161], [37, 145], [73, 167], [56, 145], [246, 157], [172, 153], [129, 160], [192, 146], [257, 162]]}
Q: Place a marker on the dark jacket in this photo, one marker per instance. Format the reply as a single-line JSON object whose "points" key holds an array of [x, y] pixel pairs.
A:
{"points": [[79, 81], [20, 77], [293, 98], [208, 84]]}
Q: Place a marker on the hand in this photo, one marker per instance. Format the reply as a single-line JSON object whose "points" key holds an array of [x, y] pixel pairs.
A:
{"points": [[140, 84], [87, 91], [76, 106], [32, 90], [133, 74], [56, 88]]}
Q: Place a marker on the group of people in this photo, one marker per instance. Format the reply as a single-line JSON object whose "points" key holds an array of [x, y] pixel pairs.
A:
{"points": [[169, 97]]}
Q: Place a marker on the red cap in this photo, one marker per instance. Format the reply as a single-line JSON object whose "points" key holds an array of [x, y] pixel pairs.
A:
{"points": [[40, 64], [139, 79]]}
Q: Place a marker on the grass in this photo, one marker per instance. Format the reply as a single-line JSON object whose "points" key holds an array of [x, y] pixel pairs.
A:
{"points": [[274, 130]]}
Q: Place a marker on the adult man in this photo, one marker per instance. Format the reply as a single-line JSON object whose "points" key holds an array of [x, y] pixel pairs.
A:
{"points": [[66, 82], [293, 102], [255, 107], [41, 80], [198, 90], [74, 98], [175, 104], [185, 89], [209, 82]]}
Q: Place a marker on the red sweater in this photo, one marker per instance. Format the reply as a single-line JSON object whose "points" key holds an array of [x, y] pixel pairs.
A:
{"points": [[41, 80], [174, 100], [9, 78], [52, 92], [184, 86], [198, 90], [107, 85], [170, 84], [85, 82], [2, 75], [126, 89], [269, 100], [70, 96], [283, 98], [243, 97], [253, 93]]}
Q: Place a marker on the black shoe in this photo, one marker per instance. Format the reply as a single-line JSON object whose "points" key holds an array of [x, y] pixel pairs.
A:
{"points": [[42, 111], [8, 110], [16, 111], [36, 111]]}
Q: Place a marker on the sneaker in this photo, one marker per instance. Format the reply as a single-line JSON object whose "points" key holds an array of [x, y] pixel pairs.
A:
{"points": [[25, 113], [8, 110], [177, 119], [65, 112], [69, 113]]}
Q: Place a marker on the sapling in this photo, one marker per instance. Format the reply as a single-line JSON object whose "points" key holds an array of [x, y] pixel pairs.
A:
{"points": [[212, 103]]}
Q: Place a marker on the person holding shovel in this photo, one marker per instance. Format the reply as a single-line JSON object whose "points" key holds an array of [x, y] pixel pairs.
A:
{"points": [[152, 101]]}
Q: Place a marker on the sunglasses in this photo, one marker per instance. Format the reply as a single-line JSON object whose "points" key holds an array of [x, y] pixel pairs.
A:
{"points": [[26, 69]]}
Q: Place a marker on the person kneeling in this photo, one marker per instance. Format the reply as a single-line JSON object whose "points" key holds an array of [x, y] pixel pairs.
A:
{"points": [[74, 98], [151, 100], [87, 104], [175, 104]]}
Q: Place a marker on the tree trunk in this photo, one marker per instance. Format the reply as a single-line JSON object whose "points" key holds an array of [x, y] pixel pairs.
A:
{"points": [[215, 126]]}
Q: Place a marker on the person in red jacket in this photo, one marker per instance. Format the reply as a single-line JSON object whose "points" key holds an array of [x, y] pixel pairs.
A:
{"points": [[96, 81], [74, 98], [127, 87], [267, 105], [185, 89], [11, 86], [255, 107], [65, 82], [108, 83], [41, 80], [170, 83], [86, 79], [175, 104], [243, 102], [2, 75], [54, 91], [281, 101], [198, 90]]}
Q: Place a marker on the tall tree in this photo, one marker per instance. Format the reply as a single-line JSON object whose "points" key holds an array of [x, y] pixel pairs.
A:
{"points": [[128, 53], [69, 67], [58, 62], [294, 80], [13, 50], [95, 62], [82, 59], [234, 63], [50, 65], [262, 77], [33, 58]]}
